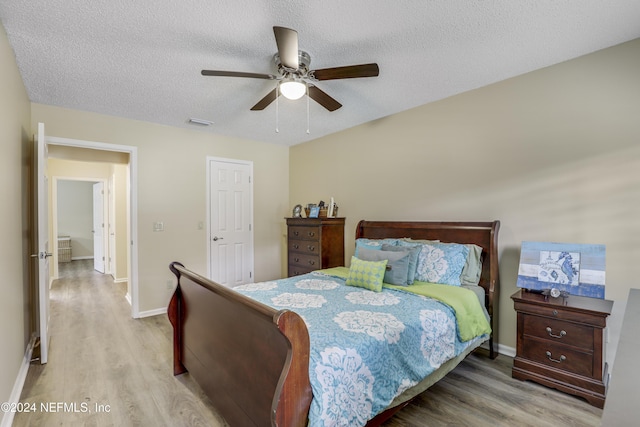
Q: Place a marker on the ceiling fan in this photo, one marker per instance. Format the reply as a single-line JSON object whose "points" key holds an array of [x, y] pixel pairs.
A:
{"points": [[294, 77]]}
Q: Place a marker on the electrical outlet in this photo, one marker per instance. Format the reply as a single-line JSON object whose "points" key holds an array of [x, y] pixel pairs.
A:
{"points": [[158, 226]]}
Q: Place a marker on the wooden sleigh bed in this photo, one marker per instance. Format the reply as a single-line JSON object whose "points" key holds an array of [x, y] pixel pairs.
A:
{"points": [[252, 360]]}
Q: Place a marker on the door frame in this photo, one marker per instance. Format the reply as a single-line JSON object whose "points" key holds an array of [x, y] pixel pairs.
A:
{"points": [[133, 204], [54, 213], [208, 222]]}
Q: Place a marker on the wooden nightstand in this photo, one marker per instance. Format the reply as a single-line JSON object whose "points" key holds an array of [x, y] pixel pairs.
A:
{"points": [[560, 343], [314, 243]]}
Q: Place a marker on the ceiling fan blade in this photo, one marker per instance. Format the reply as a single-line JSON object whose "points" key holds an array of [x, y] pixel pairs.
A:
{"points": [[287, 41], [347, 72], [238, 74], [264, 102], [323, 99]]}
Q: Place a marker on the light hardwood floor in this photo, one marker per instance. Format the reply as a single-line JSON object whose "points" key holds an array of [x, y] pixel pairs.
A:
{"points": [[100, 356]]}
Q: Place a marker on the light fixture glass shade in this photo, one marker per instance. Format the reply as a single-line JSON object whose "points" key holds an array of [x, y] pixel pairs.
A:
{"points": [[293, 89]]}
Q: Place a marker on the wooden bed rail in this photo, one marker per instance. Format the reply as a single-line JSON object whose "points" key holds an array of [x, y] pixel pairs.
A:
{"points": [[234, 346]]}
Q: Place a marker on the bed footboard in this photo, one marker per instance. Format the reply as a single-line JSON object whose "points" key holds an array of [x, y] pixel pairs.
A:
{"points": [[251, 360]]}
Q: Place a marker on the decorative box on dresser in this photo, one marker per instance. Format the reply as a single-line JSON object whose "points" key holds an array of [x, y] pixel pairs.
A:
{"points": [[314, 243], [560, 343]]}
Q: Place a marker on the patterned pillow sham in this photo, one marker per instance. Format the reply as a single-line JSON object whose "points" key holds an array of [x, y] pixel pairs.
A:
{"points": [[440, 262], [373, 244], [366, 274]]}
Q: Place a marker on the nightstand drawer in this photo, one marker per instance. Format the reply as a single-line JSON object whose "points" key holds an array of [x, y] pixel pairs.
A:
{"points": [[308, 247], [558, 331], [306, 233], [559, 356], [560, 313]]}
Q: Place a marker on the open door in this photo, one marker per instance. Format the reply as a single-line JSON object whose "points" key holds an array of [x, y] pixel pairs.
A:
{"points": [[98, 227], [42, 215]]}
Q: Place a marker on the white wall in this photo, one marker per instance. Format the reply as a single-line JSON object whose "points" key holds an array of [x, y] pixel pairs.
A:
{"points": [[15, 263], [553, 154]]}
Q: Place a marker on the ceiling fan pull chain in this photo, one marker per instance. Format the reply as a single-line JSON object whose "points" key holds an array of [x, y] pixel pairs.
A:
{"points": [[308, 110], [277, 87]]}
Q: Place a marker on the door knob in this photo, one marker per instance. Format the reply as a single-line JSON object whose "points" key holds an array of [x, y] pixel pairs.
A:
{"points": [[216, 238], [42, 255]]}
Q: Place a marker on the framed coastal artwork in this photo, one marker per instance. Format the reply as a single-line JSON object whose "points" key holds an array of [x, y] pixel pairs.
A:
{"points": [[565, 268]]}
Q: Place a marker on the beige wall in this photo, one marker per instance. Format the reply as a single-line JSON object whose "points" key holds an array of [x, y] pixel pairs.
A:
{"points": [[172, 189], [120, 181], [553, 154], [15, 137]]}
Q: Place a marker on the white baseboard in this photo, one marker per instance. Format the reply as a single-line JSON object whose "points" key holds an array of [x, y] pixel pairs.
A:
{"points": [[507, 351], [128, 298], [150, 313], [120, 280], [7, 418]]}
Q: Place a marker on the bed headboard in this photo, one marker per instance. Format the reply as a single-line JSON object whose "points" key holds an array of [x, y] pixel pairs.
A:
{"points": [[483, 234]]}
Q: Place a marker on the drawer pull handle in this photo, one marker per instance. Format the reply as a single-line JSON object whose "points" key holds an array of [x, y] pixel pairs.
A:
{"points": [[555, 312], [296, 233], [551, 334], [296, 259], [312, 233], [312, 262], [295, 246], [311, 248], [562, 358]]}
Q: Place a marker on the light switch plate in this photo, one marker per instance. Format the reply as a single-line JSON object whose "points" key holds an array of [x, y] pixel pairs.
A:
{"points": [[158, 226]]}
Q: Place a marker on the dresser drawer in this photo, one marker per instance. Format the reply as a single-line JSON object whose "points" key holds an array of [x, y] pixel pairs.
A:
{"points": [[304, 261], [558, 331], [558, 356], [306, 233], [308, 247]]}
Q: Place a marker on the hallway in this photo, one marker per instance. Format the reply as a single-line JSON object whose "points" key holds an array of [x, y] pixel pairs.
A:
{"points": [[105, 368]]}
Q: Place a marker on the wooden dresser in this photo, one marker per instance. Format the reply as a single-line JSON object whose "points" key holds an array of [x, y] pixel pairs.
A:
{"points": [[314, 243], [561, 343]]}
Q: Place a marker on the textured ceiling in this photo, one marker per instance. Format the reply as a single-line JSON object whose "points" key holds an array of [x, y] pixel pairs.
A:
{"points": [[142, 59]]}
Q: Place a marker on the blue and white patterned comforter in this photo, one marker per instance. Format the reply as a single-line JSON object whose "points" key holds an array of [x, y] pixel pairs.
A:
{"points": [[366, 347]]}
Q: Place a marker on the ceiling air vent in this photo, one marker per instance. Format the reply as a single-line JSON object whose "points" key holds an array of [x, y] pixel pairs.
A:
{"points": [[199, 122]]}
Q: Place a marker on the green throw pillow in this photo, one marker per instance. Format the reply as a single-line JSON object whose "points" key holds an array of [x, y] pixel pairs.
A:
{"points": [[366, 274]]}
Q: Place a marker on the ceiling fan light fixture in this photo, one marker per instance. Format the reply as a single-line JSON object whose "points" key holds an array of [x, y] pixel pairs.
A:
{"points": [[292, 89]]}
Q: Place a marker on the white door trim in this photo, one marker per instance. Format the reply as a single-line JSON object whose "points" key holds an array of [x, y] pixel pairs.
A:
{"points": [[208, 234], [54, 211], [133, 202]]}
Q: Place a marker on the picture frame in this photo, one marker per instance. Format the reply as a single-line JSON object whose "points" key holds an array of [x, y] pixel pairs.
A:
{"points": [[562, 268], [314, 211], [332, 208]]}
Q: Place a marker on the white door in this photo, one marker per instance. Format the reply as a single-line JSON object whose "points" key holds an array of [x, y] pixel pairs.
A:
{"points": [[230, 221], [98, 227], [42, 208]]}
